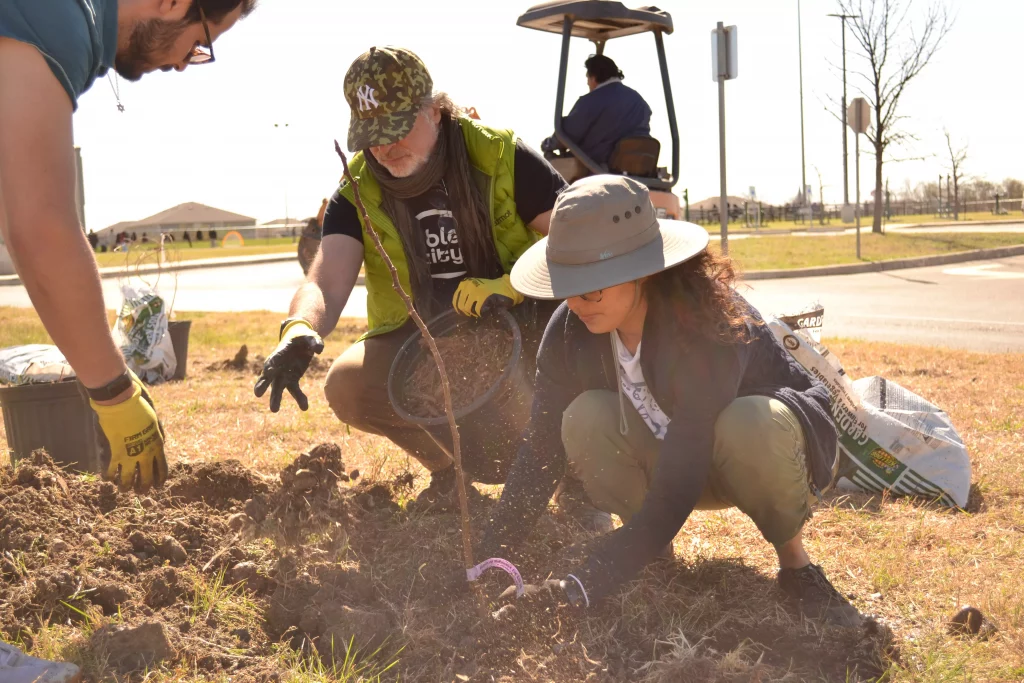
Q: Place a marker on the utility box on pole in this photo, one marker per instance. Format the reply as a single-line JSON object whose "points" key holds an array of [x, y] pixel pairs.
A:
{"points": [[724, 67], [724, 54]]}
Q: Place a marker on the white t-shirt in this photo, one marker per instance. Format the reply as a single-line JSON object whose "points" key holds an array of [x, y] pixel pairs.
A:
{"points": [[635, 388]]}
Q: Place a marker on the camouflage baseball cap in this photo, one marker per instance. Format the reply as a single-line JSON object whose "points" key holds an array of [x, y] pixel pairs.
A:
{"points": [[384, 88]]}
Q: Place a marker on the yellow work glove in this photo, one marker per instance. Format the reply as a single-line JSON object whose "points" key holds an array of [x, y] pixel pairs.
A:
{"points": [[134, 440], [475, 297]]}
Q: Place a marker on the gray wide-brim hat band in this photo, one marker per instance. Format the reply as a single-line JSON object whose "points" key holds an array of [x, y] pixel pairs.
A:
{"points": [[604, 232]]}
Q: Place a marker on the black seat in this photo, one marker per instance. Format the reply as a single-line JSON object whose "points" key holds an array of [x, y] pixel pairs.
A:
{"points": [[635, 156]]}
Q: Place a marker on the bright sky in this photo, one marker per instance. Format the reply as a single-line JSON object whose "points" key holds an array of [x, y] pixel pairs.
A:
{"points": [[208, 135]]}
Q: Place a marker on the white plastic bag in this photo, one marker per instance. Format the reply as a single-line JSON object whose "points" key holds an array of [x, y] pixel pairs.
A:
{"points": [[33, 364], [890, 439], [141, 333]]}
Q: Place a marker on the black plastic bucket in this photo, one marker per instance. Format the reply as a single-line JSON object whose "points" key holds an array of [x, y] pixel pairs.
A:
{"points": [[490, 428], [55, 416], [179, 331]]}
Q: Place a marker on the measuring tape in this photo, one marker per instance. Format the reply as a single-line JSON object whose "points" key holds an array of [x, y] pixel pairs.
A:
{"points": [[498, 563]]}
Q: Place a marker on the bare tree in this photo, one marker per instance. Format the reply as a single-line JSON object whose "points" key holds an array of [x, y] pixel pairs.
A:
{"points": [[895, 50], [957, 157], [1014, 189], [821, 195]]}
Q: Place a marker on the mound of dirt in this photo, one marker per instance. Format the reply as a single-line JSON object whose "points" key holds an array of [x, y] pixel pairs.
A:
{"points": [[212, 572], [239, 362], [218, 484]]}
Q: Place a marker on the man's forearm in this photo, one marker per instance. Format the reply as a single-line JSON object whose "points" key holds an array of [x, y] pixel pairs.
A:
{"points": [[310, 304], [59, 273]]}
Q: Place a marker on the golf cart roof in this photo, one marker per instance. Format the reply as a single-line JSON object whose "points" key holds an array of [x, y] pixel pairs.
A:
{"points": [[596, 20]]}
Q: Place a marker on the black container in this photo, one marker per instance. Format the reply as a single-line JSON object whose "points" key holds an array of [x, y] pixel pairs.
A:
{"points": [[179, 331], [55, 416], [490, 428]]}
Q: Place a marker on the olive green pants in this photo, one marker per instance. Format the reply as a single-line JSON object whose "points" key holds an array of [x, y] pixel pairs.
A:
{"points": [[759, 464]]}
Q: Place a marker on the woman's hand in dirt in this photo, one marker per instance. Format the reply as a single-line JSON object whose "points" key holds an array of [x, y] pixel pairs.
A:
{"points": [[288, 363], [548, 595], [134, 439]]}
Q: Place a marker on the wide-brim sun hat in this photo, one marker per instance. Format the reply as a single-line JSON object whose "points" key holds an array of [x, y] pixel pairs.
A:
{"points": [[604, 232]]}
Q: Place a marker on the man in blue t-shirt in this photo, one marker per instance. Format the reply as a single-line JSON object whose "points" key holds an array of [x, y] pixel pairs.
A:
{"points": [[608, 113], [51, 51]]}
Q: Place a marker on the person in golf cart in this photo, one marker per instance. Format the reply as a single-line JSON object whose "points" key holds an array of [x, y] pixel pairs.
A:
{"points": [[610, 112], [660, 388], [456, 203]]}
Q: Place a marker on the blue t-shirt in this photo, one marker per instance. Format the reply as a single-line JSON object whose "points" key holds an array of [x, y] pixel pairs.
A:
{"points": [[78, 38]]}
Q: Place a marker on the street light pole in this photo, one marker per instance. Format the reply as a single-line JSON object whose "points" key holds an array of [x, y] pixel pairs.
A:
{"points": [[284, 126], [846, 162], [803, 159]]}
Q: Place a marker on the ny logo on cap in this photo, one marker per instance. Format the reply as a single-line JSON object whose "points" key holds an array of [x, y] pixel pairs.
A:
{"points": [[367, 98]]}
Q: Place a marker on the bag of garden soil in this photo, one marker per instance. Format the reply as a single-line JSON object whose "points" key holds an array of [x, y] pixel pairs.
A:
{"points": [[141, 333], [890, 439]]}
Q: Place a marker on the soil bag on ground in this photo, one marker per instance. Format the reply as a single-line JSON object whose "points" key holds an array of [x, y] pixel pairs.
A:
{"points": [[890, 439], [141, 333]]}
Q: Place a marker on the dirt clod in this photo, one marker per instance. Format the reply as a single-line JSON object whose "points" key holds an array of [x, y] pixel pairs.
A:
{"points": [[238, 521], [244, 571], [172, 551], [133, 649]]}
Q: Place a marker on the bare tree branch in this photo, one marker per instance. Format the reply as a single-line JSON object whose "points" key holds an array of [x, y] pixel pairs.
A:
{"points": [[895, 48], [957, 157]]}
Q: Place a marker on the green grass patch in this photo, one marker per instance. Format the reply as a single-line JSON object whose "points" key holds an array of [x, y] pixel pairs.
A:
{"points": [[147, 254], [800, 251]]}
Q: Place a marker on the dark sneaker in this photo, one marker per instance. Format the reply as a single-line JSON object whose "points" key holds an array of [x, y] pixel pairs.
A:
{"points": [[817, 598], [575, 504], [441, 495]]}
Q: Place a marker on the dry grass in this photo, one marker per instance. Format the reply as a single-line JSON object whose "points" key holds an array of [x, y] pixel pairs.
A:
{"points": [[713, 614]]}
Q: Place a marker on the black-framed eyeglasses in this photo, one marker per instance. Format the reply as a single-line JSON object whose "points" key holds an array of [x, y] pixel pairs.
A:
{"points": [[202, 54], [593, 297]]}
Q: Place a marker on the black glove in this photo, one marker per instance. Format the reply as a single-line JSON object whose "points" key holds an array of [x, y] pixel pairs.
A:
{"points": [[288, 363]]}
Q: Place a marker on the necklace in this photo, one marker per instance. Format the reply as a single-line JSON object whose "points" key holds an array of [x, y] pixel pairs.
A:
{"points": [[115, 85]]}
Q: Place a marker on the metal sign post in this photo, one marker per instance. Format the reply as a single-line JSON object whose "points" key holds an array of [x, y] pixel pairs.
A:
{"points": [[859, 118], [724, 66]]}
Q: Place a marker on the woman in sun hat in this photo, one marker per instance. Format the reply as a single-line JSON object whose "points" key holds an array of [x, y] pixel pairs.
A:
{"points": [[660, 389]]}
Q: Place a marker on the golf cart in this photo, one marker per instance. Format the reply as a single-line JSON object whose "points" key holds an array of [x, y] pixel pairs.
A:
{"points": [[636, 157]]}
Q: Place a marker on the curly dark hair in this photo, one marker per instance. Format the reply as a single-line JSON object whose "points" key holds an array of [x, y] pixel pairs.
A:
{"points": [[700, 294], [216, 10]]}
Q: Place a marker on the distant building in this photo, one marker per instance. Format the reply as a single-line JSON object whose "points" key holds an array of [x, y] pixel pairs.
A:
{"points": [[190, 216]]}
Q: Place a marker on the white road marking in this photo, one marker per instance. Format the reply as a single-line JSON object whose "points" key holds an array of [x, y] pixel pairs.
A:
{"points": [[986, 270]]}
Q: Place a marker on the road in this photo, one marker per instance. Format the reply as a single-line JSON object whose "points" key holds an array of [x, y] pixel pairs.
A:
{"points": [[977, 305]]}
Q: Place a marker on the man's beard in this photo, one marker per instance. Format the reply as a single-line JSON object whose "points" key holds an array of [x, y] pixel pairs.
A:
{"points": [[148, 38], [410, 164], [405, 166]]}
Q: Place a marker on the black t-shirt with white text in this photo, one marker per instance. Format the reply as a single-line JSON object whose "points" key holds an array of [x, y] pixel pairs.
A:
{"points": [[537, 185]]}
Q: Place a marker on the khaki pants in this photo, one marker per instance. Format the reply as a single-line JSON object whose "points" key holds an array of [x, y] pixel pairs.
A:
{"points": [[759, 465], [356, 388]]}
